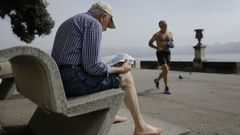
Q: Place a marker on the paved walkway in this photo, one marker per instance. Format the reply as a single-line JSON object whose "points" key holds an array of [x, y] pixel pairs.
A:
{"points": [[127, 128], [205, 104]]}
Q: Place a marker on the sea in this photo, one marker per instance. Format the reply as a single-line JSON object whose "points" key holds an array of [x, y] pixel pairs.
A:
{"points": [[226, 57]]}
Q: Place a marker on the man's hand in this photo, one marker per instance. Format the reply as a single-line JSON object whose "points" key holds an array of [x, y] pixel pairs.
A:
{"points": [[170, 44], [125, 67]]}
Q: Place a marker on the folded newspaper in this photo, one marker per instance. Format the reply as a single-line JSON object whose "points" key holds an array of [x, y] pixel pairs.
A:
{"points": [[117, 59]]}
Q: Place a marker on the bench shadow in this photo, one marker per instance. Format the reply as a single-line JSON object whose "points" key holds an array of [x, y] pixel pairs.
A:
{"points": [[18, 130]]}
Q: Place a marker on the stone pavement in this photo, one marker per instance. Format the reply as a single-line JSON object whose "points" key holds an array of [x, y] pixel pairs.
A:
{"points": [[202, 103], [127, 128], [207, 104]]}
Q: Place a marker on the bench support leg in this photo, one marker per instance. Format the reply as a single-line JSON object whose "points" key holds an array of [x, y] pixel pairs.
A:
{"points": [[6, 88], [94, 123]]}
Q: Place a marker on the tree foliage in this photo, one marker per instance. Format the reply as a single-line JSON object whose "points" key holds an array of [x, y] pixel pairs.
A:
{"points": [[28, 18]]}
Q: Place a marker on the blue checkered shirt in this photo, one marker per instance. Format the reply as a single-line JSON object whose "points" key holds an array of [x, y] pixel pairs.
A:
{"points": [[77, 42]]}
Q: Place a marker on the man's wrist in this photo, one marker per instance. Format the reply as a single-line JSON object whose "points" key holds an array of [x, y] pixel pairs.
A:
{"points": [[117, 69]]}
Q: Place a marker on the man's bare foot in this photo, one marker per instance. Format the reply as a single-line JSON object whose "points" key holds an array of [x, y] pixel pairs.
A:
{"points": [[119, 119], [149, 130]]}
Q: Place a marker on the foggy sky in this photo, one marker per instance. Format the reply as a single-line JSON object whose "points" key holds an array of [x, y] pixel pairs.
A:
{"points": [[137, 21]]}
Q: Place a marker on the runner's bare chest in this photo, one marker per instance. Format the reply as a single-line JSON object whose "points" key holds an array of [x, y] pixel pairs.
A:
{"points": [[163, 37]]}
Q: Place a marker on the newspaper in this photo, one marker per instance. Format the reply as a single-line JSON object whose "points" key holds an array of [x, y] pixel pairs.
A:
{"points": [[115, 60]]}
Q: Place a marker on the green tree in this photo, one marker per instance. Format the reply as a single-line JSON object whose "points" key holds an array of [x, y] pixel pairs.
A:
{"points": [[28, 18]]}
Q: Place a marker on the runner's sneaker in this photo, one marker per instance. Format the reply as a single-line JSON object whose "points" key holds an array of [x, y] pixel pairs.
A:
{"points": [[156, 83], [166, 91]]}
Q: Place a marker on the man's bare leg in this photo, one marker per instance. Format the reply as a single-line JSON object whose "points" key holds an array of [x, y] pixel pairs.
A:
{"points": [[131, 101], [160, 76], [165, 74], [165, 69]]}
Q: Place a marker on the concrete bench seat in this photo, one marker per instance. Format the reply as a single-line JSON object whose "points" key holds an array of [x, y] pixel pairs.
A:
{"points": [[92, 102], [37, 77]]}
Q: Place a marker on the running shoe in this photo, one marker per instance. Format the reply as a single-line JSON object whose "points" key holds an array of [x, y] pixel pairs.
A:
{"points": [[156, 83]]}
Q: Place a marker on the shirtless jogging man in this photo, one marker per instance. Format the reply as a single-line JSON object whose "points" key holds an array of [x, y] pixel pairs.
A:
{"points": [[164, 42]]}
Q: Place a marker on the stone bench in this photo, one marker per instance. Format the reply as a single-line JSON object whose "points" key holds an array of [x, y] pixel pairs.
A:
{"points": [[37, 77]]}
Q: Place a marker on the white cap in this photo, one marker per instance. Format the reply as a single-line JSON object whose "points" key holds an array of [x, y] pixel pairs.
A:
{"points": [[106, 8]]}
